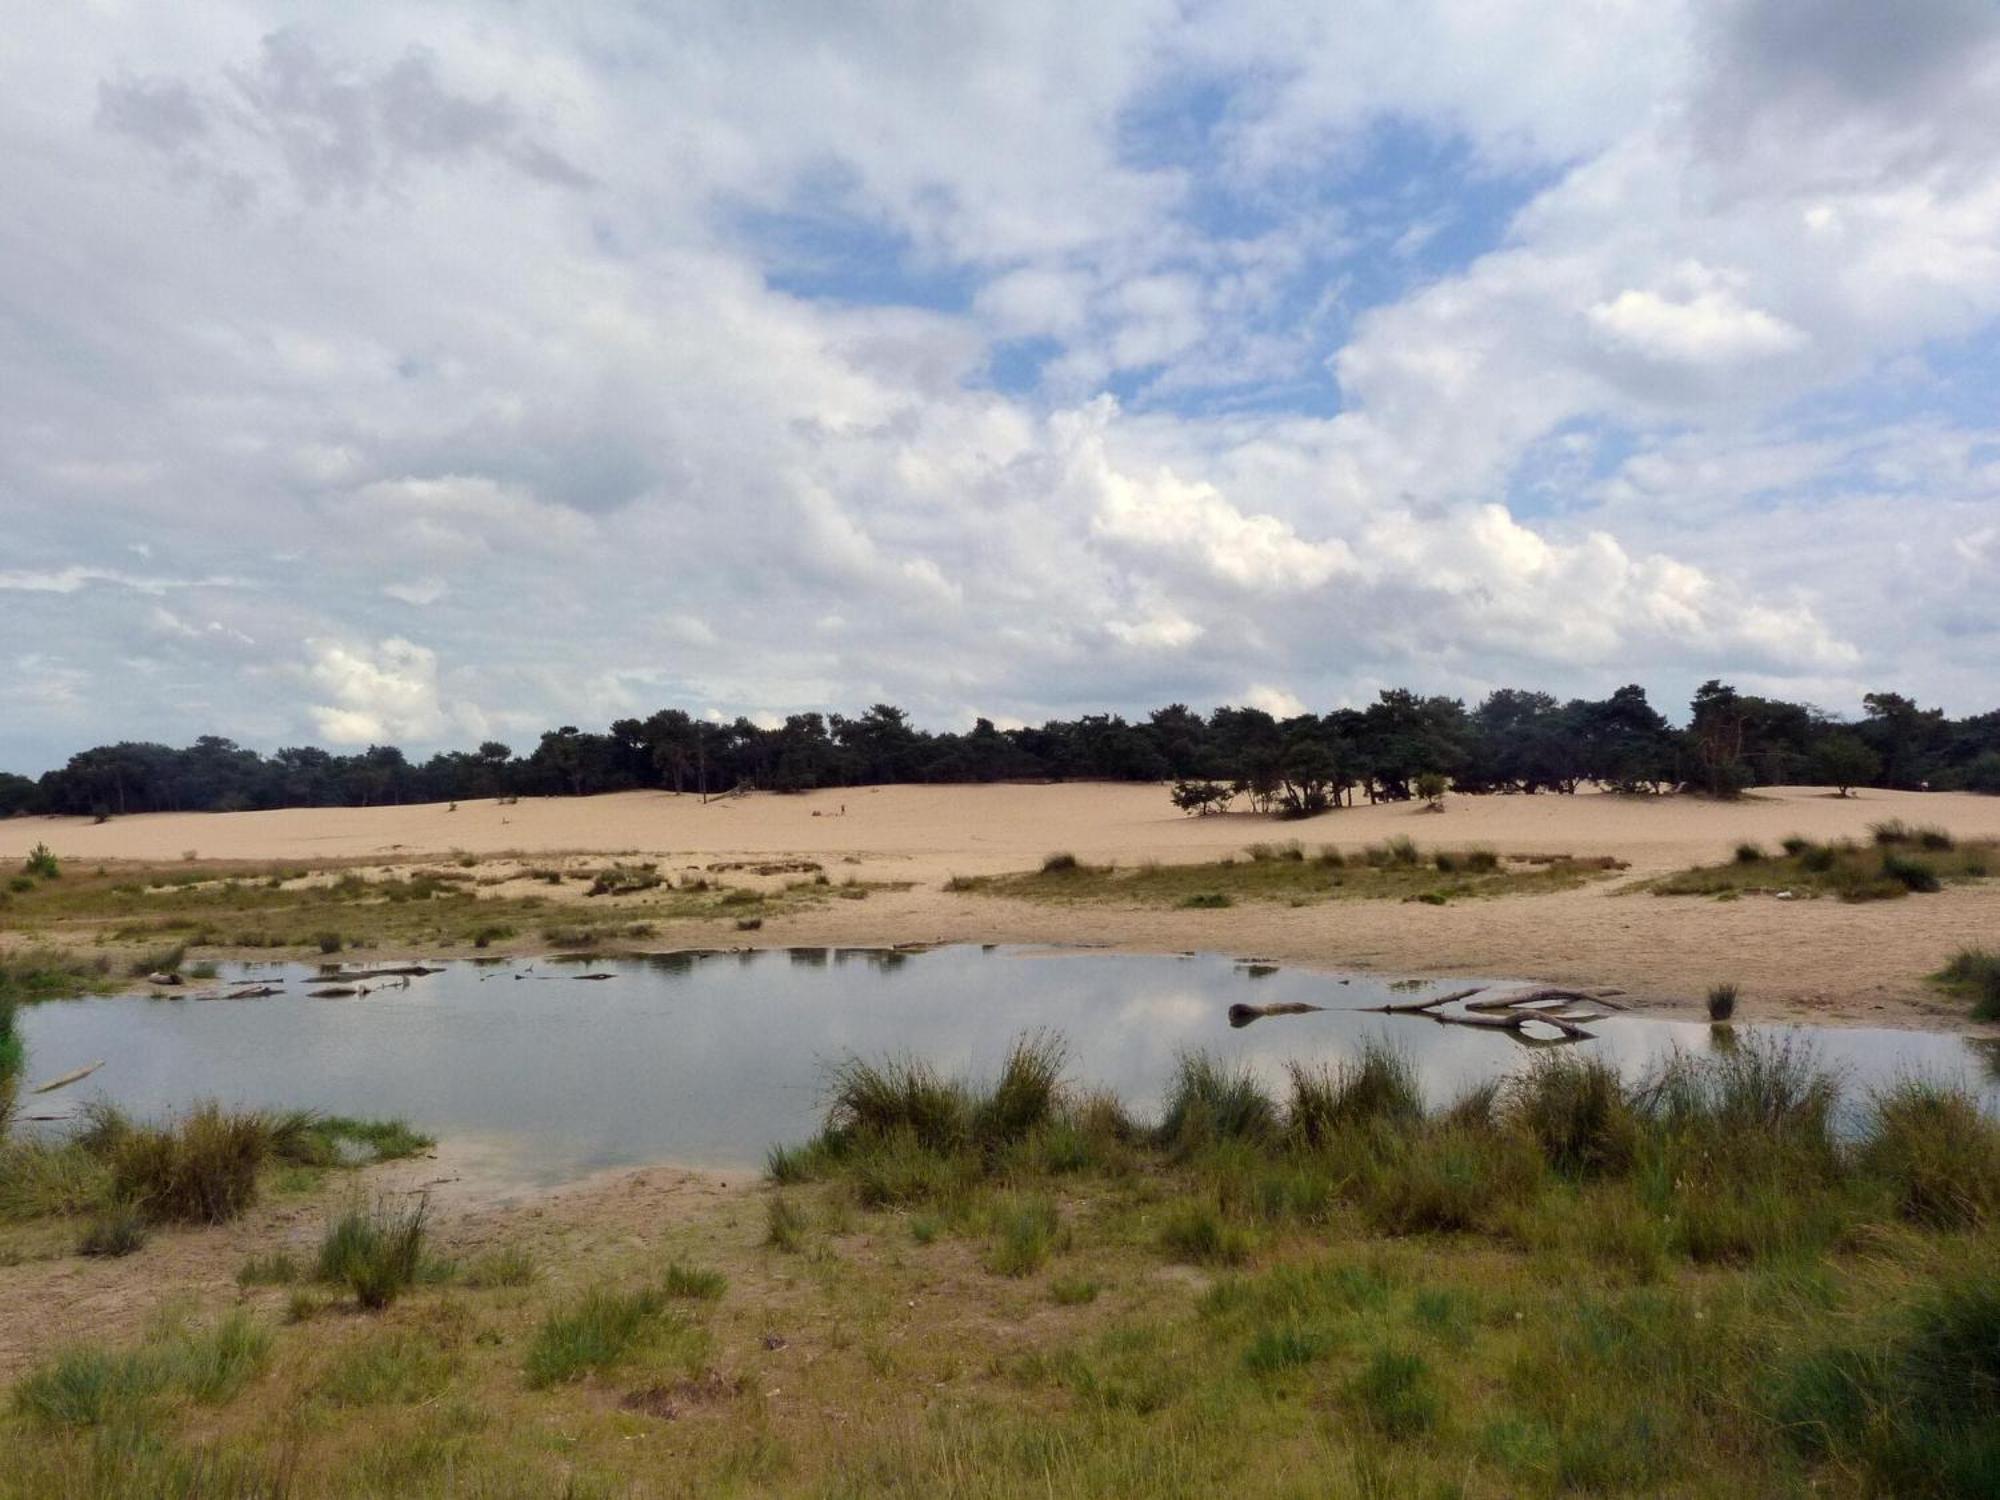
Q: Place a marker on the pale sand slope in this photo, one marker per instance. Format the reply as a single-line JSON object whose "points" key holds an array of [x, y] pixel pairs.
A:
{"points": [[1832, 961]]}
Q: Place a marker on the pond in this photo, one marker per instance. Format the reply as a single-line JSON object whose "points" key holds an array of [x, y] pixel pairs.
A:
{"points": [[710, 1059]]}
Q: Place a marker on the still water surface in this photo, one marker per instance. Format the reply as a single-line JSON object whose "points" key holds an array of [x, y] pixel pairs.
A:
{"points": [[712, 1059]]}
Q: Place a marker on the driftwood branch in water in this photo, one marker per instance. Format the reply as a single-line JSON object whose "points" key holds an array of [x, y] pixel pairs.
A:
{"points": [[1512, 1011], [75, 1075]]}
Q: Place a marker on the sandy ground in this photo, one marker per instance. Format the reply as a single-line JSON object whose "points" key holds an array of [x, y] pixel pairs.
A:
{"points": [[1821, 960]]}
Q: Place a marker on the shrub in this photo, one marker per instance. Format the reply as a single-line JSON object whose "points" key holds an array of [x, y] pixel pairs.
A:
{"points": [[376, 1255], [42, 863], [118, 1232], [200, 1170], [593, 1333], [1209, 1101], [1721, 1001], [1481, 861], [1577, 1111], [1060, 864], [1890, 831], [1795, 845], [329, 942], [1935, 839], [1208, 901], [486, 937], [1748, 854]]}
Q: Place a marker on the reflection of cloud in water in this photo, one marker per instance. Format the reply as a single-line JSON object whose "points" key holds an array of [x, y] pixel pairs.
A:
{"points": [[711, 1059], [1181, 1011]]}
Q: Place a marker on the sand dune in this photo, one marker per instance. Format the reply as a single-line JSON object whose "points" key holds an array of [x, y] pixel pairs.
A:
{"points": [[1820, 958]]}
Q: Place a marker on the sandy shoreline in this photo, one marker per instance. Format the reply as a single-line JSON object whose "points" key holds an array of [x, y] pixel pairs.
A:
{"points": [[1822, 961]]}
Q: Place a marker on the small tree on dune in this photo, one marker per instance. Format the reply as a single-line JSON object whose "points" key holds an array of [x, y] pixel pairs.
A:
{"points": [[1844, 761]]}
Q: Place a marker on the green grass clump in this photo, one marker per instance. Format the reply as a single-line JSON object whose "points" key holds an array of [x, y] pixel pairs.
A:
{"points": [[376, 1254], [785, 1225], [1397, 1393], [42, 863], [86, 1386], [880, 1099], [1025, 1231], [1974, 973], [200, 1169], [398, 1368], [1749, 854], [1210, 1101], [1937, 1154], [1910, 873], [595, 1332], [119, 1231], [1196, 1232], [692, 1282], [1577, 1111], [1026, 1094], [1378, 1087], [279, 1268], [1208, 901], [510, 1265], [1722, 1001]]}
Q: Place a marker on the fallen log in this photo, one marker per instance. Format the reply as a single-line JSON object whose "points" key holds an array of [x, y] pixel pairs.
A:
{"points": [[332, 992], [75, 1075], [255, 992]]}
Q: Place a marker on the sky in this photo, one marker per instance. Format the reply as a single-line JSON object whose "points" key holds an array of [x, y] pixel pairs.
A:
{"points": [[440, 372]]}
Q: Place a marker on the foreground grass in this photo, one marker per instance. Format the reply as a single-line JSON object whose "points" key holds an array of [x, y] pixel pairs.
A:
{"points": [[1898, 862], [1009, 1288], [1398, 870]]}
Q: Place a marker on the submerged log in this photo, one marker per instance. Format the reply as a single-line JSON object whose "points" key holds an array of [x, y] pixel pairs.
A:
{"points": [[255, 992], [1241, 1015], [333, 992]]}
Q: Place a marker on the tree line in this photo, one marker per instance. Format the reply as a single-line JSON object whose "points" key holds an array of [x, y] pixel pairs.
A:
{"points": [[1399, 746]]}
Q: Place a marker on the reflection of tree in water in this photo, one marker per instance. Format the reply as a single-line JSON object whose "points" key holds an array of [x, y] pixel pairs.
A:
{"points": [[808, 958], [1721, 1037], [1987, 1050]]}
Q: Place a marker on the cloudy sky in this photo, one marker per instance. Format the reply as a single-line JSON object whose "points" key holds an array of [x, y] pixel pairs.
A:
{"points": [[441, 371]]}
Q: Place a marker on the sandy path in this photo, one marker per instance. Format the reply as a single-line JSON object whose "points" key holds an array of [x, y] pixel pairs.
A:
{"points": [[1817, 959]]}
